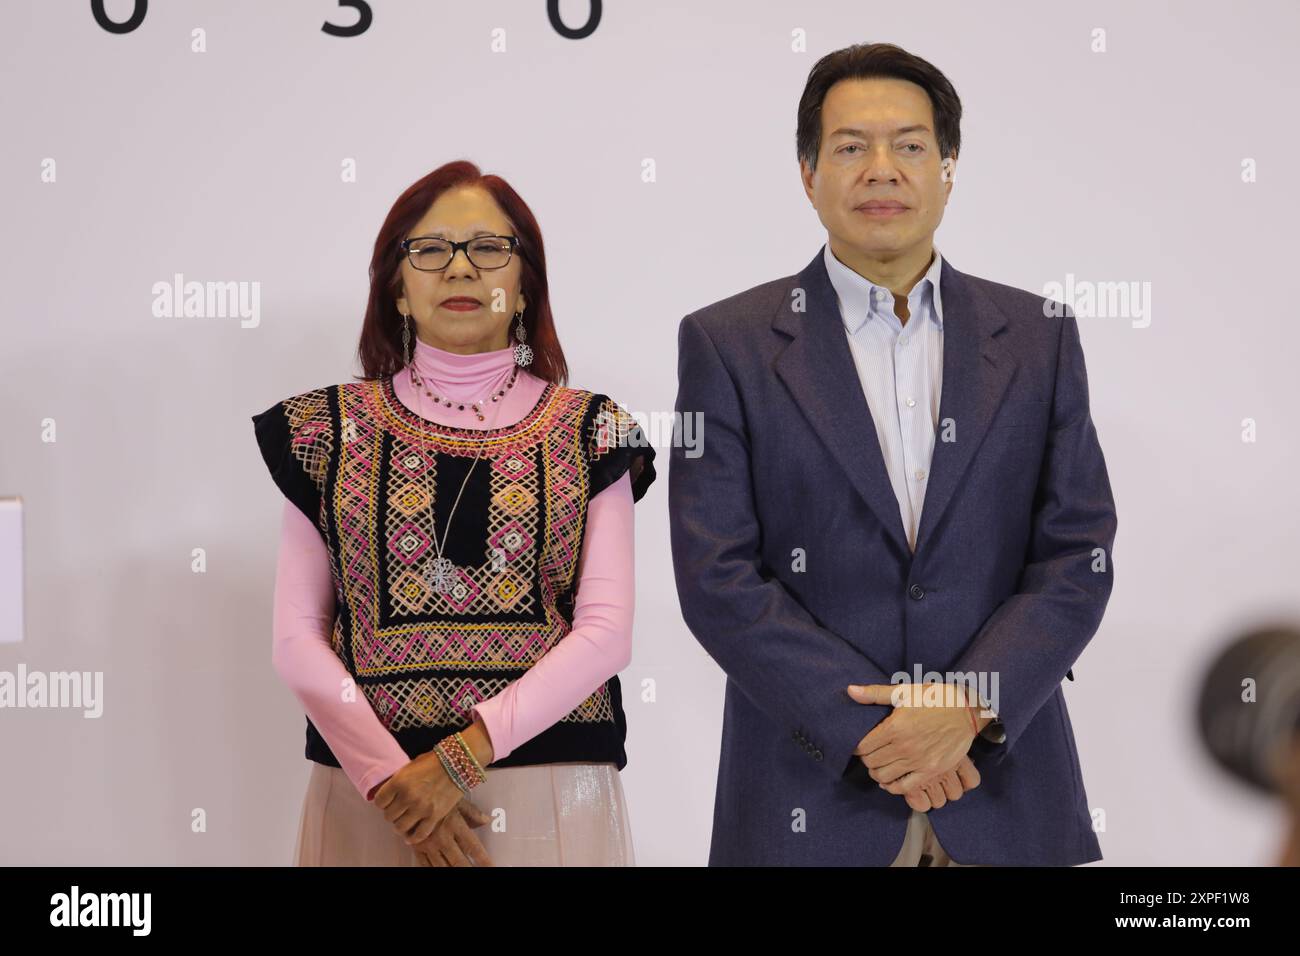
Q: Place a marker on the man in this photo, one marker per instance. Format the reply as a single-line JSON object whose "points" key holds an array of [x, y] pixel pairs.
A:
{"points": [[835, 403]]}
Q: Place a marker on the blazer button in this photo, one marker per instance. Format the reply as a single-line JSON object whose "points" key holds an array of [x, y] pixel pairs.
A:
{"points": [[817, 754], [916, 591]]}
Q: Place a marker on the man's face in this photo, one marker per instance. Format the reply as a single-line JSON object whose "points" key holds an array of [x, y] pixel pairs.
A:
{"points": [[878, 188]]}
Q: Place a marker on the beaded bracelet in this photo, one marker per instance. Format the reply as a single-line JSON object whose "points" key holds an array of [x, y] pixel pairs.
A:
{"points": [[478, 767], [461, 785], [459, 762], [465, 765]]}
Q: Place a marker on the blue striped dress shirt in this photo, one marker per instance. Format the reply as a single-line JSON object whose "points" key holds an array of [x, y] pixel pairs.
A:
{"points": [[901, 369]]}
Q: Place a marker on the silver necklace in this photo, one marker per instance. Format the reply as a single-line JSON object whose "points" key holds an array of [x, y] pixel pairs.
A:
{"points": [[441, 574]]}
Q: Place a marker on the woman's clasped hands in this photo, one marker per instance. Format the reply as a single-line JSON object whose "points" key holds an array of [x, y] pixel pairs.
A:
{"points": [[417, 797]]}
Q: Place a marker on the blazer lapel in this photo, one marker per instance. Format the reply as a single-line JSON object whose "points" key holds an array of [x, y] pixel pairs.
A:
{"points": [[817, 366], [976, 373]]}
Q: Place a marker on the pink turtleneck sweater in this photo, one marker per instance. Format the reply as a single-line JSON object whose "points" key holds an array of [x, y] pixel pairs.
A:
{"points": [[597, 647]]}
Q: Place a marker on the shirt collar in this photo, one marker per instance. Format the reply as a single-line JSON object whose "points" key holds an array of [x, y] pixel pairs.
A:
{"points": [[857, 294]]}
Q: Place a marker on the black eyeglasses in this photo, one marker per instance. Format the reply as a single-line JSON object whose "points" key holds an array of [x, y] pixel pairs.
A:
{"points": [[431, 254]]}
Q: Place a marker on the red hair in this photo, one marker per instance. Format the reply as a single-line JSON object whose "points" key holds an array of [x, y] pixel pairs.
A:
{"points": [[380, 348]]}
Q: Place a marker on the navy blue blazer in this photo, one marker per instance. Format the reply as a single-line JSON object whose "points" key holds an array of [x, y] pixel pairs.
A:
{"points": [[1011, 574]]}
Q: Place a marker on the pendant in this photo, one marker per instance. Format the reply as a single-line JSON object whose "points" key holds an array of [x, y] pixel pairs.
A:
{"points": [[441, 575]]}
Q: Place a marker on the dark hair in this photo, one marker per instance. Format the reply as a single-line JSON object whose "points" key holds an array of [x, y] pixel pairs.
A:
{"points": [[864, 61], [380, 348]]}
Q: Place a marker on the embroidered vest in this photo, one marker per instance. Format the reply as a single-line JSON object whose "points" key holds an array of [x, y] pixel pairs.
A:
{"points": [[370, 473]]}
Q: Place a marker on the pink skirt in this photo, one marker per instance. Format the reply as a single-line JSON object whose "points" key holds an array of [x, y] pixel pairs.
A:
{"points": [[558, 814]]}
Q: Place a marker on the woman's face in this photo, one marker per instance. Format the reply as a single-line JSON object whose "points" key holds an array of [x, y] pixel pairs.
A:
{"points": [[459, 214]]}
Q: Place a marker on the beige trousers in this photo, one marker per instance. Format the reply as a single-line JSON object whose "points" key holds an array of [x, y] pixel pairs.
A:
{"points": [[921, 846]]}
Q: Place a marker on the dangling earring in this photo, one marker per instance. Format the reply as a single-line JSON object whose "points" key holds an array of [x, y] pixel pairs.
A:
{"points": [[523, 354], [406, 340]]}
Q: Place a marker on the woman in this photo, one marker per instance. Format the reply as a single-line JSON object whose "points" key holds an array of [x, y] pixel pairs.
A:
{"points": [[454, 591]]}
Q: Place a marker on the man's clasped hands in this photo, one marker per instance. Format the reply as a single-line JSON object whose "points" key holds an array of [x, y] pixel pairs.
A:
{"points": [[920, 750]]}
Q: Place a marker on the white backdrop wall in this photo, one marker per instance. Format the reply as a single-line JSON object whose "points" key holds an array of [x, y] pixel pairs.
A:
{"points": [[215, 141]]}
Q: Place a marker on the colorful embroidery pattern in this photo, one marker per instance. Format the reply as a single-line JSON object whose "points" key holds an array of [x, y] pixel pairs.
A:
{"points": [[380, 475], [313, 441]]}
